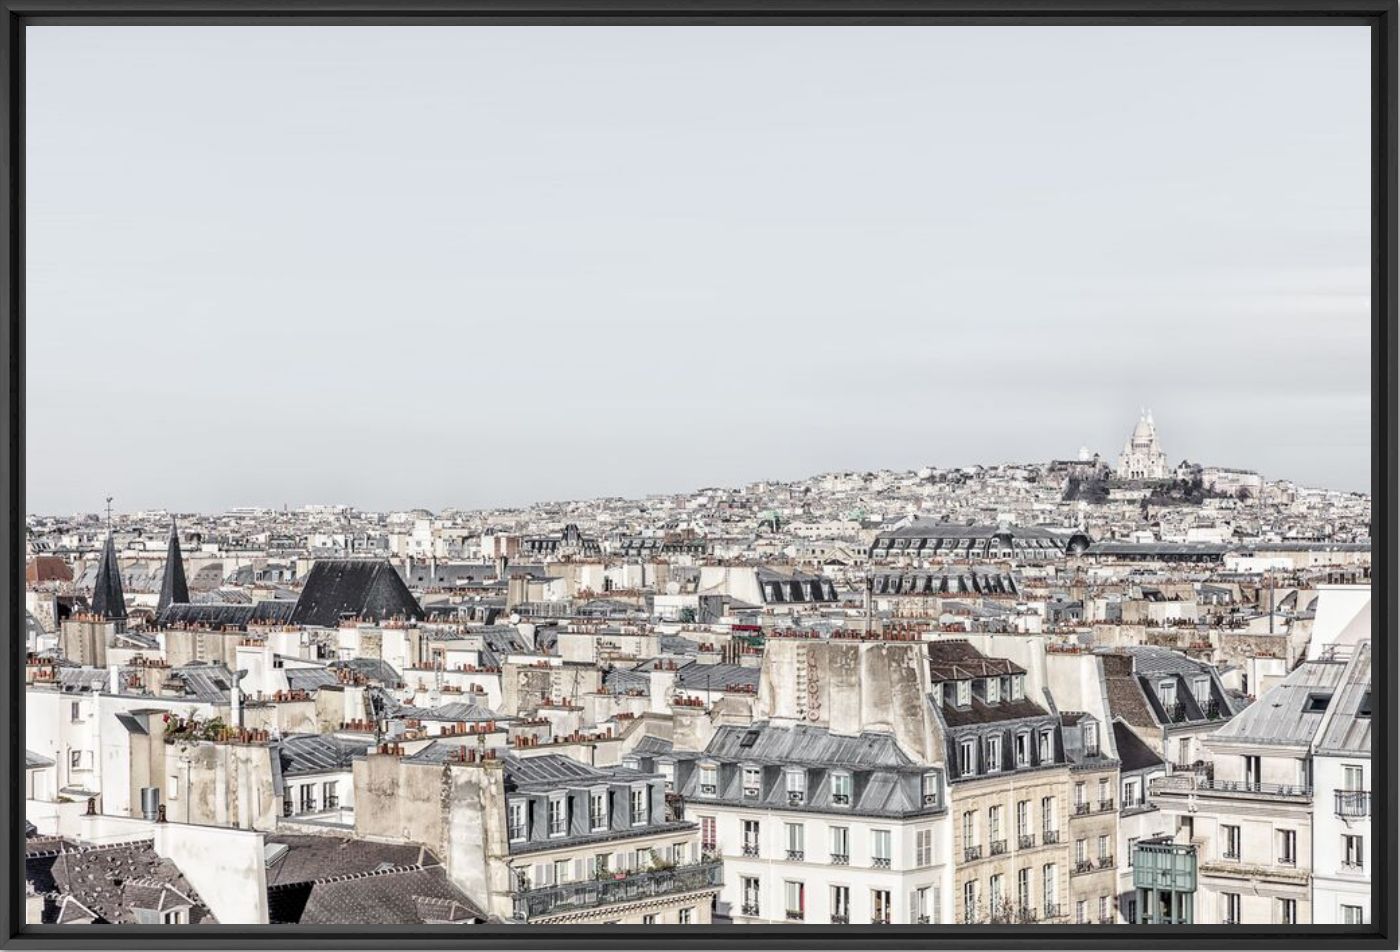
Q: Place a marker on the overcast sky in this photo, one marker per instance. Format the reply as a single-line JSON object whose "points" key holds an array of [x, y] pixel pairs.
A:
{"points": [[405, 266]]}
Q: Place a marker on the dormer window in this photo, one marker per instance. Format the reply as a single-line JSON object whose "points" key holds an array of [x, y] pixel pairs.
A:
{"points": [[1047, 746], [994, 690], [1166, 691], [1023, 750], [964, 693], [967, 757], [796, 786], [930, 789], [994, 753], [667, 769], [632, 763], [597, 810], [639, 805], [1018, 687], [841, 789], [1091, 738], [516, 828], [709, 780], [753, 782], [558, 815]]}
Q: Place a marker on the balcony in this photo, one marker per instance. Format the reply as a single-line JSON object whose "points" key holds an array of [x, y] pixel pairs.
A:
{"points": [[796, 797], [1352, 803], [880, 862], [1082, 809], [750, 849], [1105, 862], [840, 919], [1026, 841], [708, 789], [749, 909], [840, 859], [795, 915], [841, 799], [591, 894], [795, 856], [921, 920], [1050, 836], [750, 793], [1181, 784], [998, 847], [1163, 864], [1105, 805], [1052, 910], [1083, 866], [971, 853]]}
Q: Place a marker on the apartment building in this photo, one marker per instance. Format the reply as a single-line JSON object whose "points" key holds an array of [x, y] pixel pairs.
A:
{"points": [[542, 839], [1009, 788], [819, 827], [1343, 849], [1248, 812]]}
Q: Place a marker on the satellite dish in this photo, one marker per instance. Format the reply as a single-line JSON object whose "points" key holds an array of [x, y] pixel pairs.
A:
{"points": [[515, 618]]}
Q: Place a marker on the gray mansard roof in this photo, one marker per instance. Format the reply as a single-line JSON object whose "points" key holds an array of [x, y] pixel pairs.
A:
{"points": [[1290, 713]]}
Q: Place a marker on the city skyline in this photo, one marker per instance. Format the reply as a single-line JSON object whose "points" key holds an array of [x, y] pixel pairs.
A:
{"points": [[951, 248]]}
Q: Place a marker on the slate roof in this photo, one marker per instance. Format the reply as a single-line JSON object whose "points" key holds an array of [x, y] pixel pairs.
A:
{"points": [[107, 598], [317, 753], [1133, 754], [173, 587], [309, 678], [361, 588], [1347, 729], [980, 712], [109, 882], [376, 669], [1286, 715], [884, 781], [310, 857], [405, 894], [223, 615], [762, 743]]}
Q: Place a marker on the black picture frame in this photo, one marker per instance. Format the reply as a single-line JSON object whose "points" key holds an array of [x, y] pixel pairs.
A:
{"points": [[1379, 15]]}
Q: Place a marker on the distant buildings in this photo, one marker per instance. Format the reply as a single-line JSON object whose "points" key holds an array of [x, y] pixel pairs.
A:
{"points": [[959, 695]]}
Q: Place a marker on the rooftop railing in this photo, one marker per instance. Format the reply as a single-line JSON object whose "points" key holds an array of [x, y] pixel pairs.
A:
{"points": [[591, 894]]}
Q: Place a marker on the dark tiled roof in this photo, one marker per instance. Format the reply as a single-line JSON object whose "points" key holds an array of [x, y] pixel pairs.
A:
{"points": [[308, 857], [109, 882], [107, 598], [1133, 754], [173, 587], [360, 588], [1125, 696], [394, 896], [980, 712], [219, 615], [764, 744], [316, 753], [375, 669]]}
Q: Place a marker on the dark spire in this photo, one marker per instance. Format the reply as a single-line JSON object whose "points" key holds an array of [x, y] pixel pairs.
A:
{"points": [[107, 598], [173, 589]]}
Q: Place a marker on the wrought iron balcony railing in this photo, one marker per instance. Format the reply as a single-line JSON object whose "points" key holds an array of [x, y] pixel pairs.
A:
{"points": [[621, 887], [1353, 803]]}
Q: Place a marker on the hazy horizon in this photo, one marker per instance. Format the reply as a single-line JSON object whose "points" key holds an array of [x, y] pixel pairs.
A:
{"points": [[478, 267]]}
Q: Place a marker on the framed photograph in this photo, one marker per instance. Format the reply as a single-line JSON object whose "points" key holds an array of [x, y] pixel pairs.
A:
{"points": [[771, 474]]}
